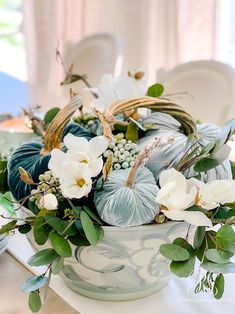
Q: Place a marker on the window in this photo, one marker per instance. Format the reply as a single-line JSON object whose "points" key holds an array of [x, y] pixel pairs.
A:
{"points": [[12, 48]]}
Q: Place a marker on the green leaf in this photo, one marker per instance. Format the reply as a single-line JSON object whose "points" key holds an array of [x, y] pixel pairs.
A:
{"points": [[233, 168], [132, 132], [34, 301], [57, 265], [61, 226], [93, 215], [50, 115], [200, 251], [155, 90], [218, 289], [219, 268], [184, 244], [183, 269], [88, 227], [207, 149], [99, 232], [24, 228], [137, 123], [6, 202], [41, 230], [188, 157], [224, 213], [34, 283], [8, 227], [225, 237], [60, 245], [33, 207], [78, 240], [205, 164], [199, 236], [174, 252], [216, 256], [43, 257]]}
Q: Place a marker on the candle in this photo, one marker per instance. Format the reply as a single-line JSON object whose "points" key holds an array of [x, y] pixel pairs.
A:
{"points": [[13, 133]]}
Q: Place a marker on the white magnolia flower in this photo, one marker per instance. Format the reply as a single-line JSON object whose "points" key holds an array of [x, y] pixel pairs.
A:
{"points": [[111, 89], [216, 193], [49, 201], [177, 194], [80, 150], [75, 180]]}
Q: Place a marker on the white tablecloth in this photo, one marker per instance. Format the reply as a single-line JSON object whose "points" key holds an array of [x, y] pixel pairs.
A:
{"points": [[176, 298]]}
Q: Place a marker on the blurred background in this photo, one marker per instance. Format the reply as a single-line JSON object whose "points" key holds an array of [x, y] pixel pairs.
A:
{"points": [[40, 40]]}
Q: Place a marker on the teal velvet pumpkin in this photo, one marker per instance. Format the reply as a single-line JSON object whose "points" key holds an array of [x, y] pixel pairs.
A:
{"points": [[123, 206], [28, 156], [170, 155]]}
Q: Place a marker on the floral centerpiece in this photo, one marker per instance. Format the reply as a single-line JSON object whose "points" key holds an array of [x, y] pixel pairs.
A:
{"points": [[117, 171]]}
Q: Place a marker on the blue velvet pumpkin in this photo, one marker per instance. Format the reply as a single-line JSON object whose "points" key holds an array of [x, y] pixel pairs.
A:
{"points": [[34, 158]]}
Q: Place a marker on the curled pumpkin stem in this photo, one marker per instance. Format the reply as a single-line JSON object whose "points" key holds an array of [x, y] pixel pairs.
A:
{"points": [[53, 136], [143, 157], [106, 121]]}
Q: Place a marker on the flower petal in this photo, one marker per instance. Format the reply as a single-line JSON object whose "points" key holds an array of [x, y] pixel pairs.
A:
{"points": [[97, 146], [49, 201], [172, 175], [55, 162], [193, 217], [76, 143]]}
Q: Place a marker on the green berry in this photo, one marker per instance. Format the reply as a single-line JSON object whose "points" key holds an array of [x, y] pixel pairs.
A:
{"points": [[115, 159], [125, 165], [120, 146], [131, 163], [122, 158], [126, 153], [106, 153], [133, 152], [127, 146], [117, 166], [115, 149], [116, 154], [47, 177], [111, 145], [123, 141], [120, 136], [122, 150], [128, 159], [41, 177]]}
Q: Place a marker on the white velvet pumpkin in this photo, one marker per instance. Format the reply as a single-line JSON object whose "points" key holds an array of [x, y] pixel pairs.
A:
{"points": [[170, 155], [123, 206]]}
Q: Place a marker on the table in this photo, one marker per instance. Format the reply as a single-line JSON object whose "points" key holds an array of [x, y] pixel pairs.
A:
{"points": [[178, 297]]}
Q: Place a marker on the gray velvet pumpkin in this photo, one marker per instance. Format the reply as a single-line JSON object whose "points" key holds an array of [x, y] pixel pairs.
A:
{"points": [[123, 206], [170, 155]]}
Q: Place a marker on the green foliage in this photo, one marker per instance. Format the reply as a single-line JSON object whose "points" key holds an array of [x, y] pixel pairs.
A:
{"points": [[89, 229], [8, 227], [41, 230], [155, 90], [174, 252], [43, 257], [60, 245], [79, 240], [199, 237], [219, 268], [61, 226], [217, 256], [225, 238], [57, 265], [34, 283], [49, 116], [205, 164], [6, 202], [92, 214], [25, 228], [132, 132], [233, 168], [3, 176], [218, 288], [34, 301], [183, 269]]}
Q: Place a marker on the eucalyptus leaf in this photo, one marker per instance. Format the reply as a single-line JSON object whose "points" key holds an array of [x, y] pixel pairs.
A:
{"points": [[225, 237], [199, 236], [25, 228], [8, 227], [6, 202], [155, 90], [78, 240], [33, 207], [205, 164], [57, 265], [218, 289], [34, 283], [50, 115], [34, 301], [219, 268], [132, 132], [88, 228], [41, 230], [217, 256], [60, 245], [93, 214], [174, 252], [60, 225], [43, 257], [183, 269]]}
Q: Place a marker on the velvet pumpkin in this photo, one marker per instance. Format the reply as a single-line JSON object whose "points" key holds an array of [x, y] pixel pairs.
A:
{"points": [[170, 155], [34, 157], [125, 206]]}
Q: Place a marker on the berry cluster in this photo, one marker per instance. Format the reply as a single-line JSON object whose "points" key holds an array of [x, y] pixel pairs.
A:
{"points": [[47, 184], [88, 121], [124, 152]]}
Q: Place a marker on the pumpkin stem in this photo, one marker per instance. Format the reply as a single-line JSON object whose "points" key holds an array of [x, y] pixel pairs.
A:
{"points": [[156, 104], [105, 121], [142, 157], [54, 132]]}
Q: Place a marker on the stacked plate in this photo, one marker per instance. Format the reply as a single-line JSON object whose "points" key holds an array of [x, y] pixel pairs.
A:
{"points": [[3, 243]]}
